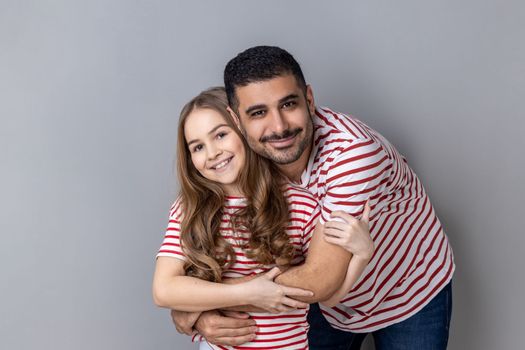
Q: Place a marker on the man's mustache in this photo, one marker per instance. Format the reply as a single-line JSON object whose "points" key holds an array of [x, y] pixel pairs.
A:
{"points": [[286, 134]]}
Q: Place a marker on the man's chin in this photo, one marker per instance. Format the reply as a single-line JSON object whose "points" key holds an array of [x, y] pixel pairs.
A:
{"points": [[282, 158]]}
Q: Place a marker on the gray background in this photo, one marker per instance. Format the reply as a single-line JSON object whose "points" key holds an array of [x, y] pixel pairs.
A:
{"points": [[90, 93]]}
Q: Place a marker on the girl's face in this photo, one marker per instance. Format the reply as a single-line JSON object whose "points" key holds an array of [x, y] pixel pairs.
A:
{"points": [[217, 152]]}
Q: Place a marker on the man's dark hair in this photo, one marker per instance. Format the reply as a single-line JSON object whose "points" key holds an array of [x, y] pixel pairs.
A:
{"points": [[259, 63]]}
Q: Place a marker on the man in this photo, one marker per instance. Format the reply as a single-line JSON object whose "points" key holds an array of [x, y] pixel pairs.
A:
{"points": [[404, 295]]}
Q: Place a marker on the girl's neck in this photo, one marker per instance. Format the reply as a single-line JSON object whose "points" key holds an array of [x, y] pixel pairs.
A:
{"points": [[232, 190]]}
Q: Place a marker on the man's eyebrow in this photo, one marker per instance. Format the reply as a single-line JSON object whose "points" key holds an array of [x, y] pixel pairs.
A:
{"points": [[262, 106], [288, 98], [253, 108], [210, 132]]}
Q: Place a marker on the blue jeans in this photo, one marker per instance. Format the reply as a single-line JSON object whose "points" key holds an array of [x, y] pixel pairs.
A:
{"points": [[427, 329]]}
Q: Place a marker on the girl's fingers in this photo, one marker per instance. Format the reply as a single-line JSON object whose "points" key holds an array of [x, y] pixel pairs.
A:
{"points": [[272, 310], [366, 212], [334, 233], [336, 225], [282, 308], [272, 274], [334, 240], [294, 303], [342, 215], [278, 309], [296, 292]]}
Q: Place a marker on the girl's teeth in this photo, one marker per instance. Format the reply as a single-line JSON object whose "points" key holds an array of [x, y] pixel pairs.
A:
{"points": [[221, 164]]}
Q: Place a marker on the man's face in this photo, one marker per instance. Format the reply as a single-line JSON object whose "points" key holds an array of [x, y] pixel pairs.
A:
{"points": [[274, 116]]}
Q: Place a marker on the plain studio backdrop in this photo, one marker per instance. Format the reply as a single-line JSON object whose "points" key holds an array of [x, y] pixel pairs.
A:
{"points": [[90, 93]]}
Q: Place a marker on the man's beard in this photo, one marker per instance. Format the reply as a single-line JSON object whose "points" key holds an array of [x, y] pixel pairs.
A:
{"points": [[285, 155]]}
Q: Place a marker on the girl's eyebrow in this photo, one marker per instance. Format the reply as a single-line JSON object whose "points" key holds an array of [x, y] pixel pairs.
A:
{"points": [[210, 132]]}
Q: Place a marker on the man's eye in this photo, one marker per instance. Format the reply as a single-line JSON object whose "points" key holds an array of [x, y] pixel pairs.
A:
{"points": [[289, 104], [257, 114]]}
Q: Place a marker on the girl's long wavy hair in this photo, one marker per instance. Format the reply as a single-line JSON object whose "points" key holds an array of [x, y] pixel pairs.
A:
{"points": [[202, 200]]}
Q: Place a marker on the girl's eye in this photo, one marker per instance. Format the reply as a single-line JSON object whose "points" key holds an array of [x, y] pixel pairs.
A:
{"points": [[197, 148], [221, 134]]}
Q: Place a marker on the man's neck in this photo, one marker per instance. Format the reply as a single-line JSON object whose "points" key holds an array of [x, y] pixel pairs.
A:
{"points": [[293, 171]]}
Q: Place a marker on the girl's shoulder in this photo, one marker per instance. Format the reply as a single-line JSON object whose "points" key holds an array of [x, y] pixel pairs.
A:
{"points": [[176, 208], [299, 197], [292, 190]]}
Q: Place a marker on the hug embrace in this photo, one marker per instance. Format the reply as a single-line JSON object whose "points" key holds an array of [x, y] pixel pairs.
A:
{"points": [[297, 227]]}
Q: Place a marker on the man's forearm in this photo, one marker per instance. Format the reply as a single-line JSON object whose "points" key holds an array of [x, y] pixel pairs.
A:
{"points": [[306, 276], [355, 269], [321, 279], [323, 271]]}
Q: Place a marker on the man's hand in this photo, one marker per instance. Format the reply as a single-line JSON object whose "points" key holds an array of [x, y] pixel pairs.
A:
{"points": [[184, 321], [230, 328]]}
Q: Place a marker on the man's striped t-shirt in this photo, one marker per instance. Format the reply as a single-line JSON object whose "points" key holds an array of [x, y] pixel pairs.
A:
{"points": [[280, 331], [413, 260]]}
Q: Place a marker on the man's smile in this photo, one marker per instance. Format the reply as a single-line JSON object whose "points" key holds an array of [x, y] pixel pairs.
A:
{"points": [[282, 141]]}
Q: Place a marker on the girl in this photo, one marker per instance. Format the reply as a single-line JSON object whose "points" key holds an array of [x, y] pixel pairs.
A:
{"points": [[235, 217]]}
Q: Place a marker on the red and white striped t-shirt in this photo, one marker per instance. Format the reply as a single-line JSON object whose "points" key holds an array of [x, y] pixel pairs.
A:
{"points": [[281, 331], [413, 260]]}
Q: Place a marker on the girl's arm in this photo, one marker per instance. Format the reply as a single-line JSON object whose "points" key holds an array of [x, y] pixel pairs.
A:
{"points": [[354, 236], [172, 289]]}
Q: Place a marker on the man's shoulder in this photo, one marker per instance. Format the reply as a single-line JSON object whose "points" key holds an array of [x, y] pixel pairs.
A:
{"points": [[335, 132], [344, 123], [335, 128], [343, 142]]}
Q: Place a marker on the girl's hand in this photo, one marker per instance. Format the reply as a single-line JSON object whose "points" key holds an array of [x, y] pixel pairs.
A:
{"points": [[352, 234], [264, 293]]}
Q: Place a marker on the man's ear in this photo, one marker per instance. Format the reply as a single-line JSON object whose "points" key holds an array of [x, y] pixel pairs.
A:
{"points": [[235, 117], [310, 99]]}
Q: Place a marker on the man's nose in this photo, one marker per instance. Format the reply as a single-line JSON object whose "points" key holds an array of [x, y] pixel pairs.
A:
{"points": [[279, 122]]}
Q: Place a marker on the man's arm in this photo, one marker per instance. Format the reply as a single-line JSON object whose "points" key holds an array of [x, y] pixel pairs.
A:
{"points": [[323, 272], [357, 173], [354, 236]]}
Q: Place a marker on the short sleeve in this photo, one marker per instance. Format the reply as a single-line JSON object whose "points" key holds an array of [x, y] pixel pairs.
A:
{"points": [[171, 245], [360, 171], [304, 213]]}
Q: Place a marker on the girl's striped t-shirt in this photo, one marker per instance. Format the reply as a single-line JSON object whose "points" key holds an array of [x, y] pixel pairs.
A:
{"points": [[275, 331]]}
